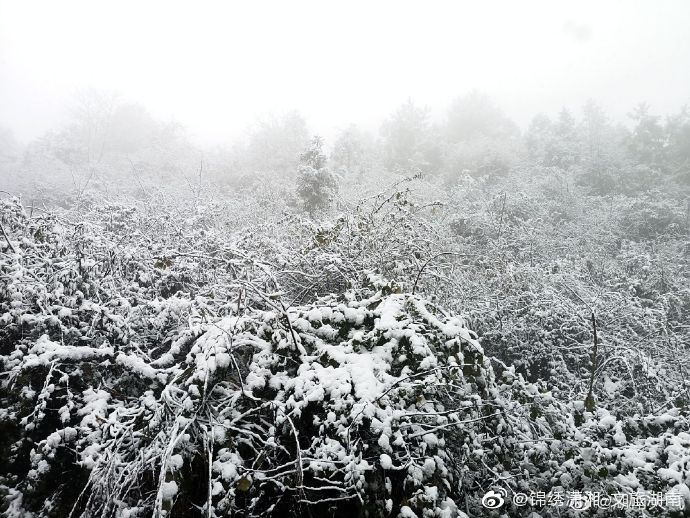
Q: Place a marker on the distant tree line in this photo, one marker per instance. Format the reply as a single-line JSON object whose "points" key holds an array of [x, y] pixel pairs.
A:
{"points": [[110, 145]]}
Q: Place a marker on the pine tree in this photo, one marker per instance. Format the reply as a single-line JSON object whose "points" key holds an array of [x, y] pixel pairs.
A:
{"points": [[316, 184]]}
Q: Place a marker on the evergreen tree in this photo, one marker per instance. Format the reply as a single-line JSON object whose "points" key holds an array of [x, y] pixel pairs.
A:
{"points": [[677, 151], [646, 142], [316, 184]]}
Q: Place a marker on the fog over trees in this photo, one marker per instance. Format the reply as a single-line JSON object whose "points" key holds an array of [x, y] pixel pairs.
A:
{"points": [[440, 310]]}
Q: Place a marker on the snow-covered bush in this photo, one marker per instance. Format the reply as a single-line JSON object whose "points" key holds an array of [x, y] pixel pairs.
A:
{"points": [[154, 363], [135, 391], [344, 402]]}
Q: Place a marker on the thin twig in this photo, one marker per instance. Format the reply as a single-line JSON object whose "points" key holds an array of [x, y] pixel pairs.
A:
{"points": [[419, 274], [7, 238]]}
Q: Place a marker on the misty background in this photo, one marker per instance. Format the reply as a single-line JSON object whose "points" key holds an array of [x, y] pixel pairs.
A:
{"points": [[219, 66]]}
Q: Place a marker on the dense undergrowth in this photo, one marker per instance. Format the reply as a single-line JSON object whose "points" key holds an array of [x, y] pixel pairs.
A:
{"points": [[400, 355]]}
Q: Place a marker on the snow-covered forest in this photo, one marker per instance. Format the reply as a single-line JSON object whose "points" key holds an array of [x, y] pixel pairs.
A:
{"points": [[425, 317]]}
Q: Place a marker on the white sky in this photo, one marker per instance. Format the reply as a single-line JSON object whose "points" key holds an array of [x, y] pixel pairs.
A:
{"points": [[216, 66]]}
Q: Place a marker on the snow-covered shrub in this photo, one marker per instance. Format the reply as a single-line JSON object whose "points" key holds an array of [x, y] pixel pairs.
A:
{"points": [[136, 392], [208, 373], [342, 403], [653, 216]]}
